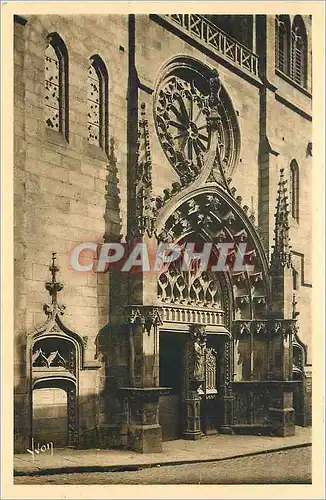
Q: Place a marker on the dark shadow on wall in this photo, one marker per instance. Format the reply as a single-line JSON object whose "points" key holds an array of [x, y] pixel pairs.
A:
{"points": [[113, 349], [89, 435], [239, 27]]}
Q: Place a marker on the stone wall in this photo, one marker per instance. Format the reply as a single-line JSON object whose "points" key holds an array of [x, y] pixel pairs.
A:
{"points": [[64, 188]]}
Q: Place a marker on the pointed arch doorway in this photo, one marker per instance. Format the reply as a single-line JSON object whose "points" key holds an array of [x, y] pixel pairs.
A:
{"points": [[194, 297], [200, 306]]}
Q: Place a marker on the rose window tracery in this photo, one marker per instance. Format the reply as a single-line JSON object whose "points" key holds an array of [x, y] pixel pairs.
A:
{"points": [[182, 107]]}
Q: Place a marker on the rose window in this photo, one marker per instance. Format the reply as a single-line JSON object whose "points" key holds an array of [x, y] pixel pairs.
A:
{"points": [[181, 110]]}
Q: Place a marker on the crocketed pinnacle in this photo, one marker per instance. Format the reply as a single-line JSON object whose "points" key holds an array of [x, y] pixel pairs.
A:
{"points": [[281, 253]]}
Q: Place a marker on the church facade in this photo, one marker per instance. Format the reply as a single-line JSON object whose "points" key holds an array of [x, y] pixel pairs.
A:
{"points": [[184, 129]]}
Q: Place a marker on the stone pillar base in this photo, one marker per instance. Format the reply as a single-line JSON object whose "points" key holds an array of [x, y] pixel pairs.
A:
{"points": [[281, 412], [283, 421], [144, 434], [192, 435], [21, 443], [145, 438], [192, 425]]}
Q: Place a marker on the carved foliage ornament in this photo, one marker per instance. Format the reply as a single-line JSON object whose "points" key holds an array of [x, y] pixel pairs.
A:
{"points": [[146, 316], [268, 328]]}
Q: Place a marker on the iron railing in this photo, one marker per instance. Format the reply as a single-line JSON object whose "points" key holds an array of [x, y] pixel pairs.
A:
{"points": [[215, 38]]}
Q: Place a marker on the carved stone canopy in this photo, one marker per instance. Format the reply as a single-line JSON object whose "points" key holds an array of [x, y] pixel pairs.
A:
{"points": [[48, 341], [53, 287]]}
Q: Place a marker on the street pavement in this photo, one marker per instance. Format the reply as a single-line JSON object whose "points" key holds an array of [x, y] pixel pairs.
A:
{"points": [[292, 466], [207, 449]]}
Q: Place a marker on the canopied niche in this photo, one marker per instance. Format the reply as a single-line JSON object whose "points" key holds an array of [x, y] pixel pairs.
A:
{"points": [[55, 357]]}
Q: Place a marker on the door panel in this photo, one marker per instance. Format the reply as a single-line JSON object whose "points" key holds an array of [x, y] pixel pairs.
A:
{"points": [[172, 347], [170, 417]]}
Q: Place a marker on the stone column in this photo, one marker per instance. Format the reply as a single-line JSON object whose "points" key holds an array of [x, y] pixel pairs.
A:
{"points": [[226, 389], [195, 362], [282, 415], [142, 396], [281, 412], [144, 430]]}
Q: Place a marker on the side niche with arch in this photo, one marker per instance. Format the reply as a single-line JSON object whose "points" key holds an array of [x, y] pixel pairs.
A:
{"points": [[54, 364], [55, 357]]}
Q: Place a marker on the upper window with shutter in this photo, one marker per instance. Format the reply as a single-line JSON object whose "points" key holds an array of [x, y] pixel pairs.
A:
{"points": [[283, 43], [56, 85], [299, 52], [97, 103], [291, 51]]}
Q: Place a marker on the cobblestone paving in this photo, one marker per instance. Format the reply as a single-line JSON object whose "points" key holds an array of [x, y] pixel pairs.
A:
{"points": [[289, 466]]}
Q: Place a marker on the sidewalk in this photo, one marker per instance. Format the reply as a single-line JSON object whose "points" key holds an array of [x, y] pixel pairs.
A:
{"points": [[207, 449]]}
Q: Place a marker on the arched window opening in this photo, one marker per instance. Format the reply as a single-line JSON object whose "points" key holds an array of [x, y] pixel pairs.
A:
{"points": [[54, 367], [56, 85], [97, 103], [299, 52], [294, 190], [283, 44]]}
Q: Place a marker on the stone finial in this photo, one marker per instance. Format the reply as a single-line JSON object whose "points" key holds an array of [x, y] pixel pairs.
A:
{"points": [[53, 287], [281, 255], [214, 89]]}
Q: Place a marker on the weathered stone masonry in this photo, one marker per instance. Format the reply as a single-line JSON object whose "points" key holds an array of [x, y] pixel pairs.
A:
{"points": [[189, 135]]}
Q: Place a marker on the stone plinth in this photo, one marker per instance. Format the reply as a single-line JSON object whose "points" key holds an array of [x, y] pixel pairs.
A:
{"points": [[281, 413], [144, 430], [192, 424]]}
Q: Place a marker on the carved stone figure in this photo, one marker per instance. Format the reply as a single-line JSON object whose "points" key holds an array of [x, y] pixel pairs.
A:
{"points": [[197, 353]]}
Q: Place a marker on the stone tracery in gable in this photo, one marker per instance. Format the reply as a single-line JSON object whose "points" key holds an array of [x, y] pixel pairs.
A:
{"points": [[209, 217], [195, 286]]}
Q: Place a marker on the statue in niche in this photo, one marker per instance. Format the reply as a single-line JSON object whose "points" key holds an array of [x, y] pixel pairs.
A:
{"points": [[197, 353]]}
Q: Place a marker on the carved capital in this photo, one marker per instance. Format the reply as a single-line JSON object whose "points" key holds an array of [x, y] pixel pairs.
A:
{"points": [[145, 316], [241, 328]]}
